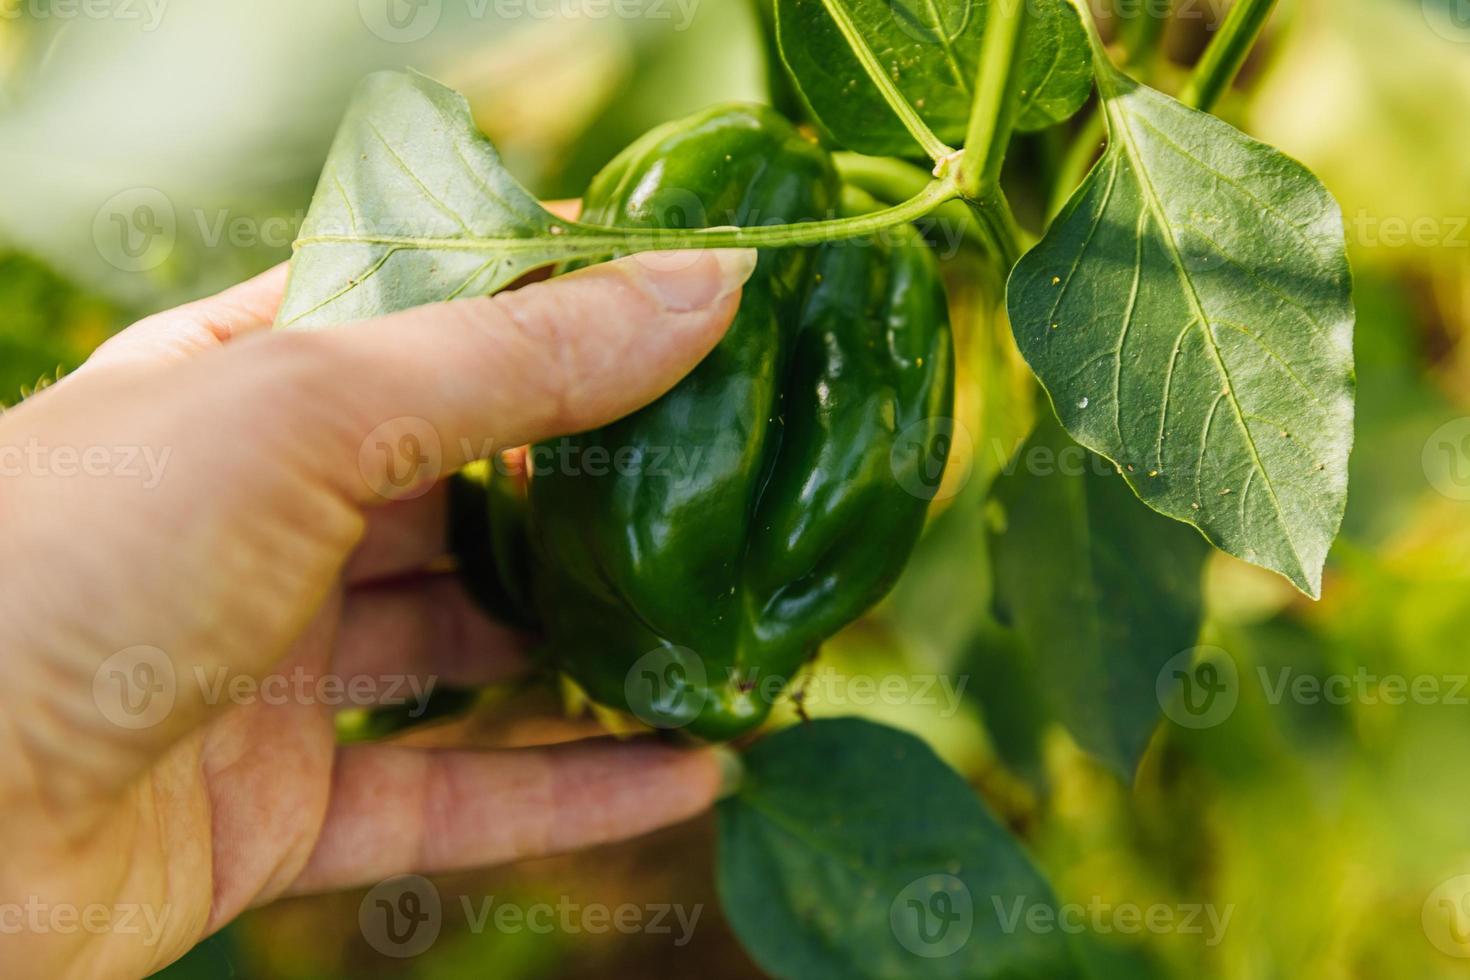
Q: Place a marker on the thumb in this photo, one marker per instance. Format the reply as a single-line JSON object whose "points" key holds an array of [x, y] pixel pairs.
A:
{"points": [[464, 379]]}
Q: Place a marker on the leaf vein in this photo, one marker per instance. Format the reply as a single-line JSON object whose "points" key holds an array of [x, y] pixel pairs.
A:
{"points": [[1121, 117]]}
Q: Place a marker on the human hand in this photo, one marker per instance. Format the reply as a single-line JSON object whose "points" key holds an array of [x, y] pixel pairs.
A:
{"points": [[202, 504]]}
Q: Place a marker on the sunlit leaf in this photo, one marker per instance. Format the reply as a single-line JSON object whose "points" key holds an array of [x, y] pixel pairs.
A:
{"points": [[1190, 313], [415, 207]]}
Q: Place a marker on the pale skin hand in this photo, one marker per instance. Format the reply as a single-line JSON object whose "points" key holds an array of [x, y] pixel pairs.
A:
{"points": [[265, 548]]}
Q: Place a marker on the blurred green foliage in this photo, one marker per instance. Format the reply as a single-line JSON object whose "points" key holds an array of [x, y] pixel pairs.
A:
{"points": [[47, 325]]}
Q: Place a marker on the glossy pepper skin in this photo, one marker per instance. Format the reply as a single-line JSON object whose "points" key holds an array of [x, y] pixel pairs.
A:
{"points": [[689, 558]]}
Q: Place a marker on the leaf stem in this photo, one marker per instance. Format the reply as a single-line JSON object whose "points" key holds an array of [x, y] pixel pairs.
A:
{"points": [[1226, 54], [993, 113], [585, 241], [778, 236], [937, 149], [1102, 64], [1141, 47]]}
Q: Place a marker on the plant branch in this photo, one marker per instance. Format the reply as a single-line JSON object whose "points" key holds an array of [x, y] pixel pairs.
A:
{"points": [[993, 113], [890, 179], [1141, 38], [1226, 54], [999, 221], [776, 236], [937, 149]]}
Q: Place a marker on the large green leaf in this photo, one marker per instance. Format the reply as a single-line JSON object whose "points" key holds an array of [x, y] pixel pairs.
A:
{"points": [[1190, 313], [1102, 591], [852, 852], [415, 207], [927, 53]]}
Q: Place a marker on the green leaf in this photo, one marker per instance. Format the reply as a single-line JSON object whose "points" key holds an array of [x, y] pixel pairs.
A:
{"points": [[414, 207], [1103, 592], [1190, 313], [851, 851], [927, 53], [1056, 73]]}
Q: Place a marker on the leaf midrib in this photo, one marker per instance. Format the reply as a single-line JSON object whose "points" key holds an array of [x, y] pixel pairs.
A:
{"points": [[469, 243], [897, 101], [1112, 97]]}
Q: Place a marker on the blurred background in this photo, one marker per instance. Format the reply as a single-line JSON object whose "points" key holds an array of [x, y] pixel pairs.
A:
{"points": [[154, 151]]}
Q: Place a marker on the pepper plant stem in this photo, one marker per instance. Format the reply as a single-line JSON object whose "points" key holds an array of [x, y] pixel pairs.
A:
{"points": [[993, 113], [999, 221], [1226, 54], [891, 180]]}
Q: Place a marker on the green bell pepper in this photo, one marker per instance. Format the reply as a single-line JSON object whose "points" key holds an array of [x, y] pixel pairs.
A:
{"points": [[687, 560], [691, 557]]}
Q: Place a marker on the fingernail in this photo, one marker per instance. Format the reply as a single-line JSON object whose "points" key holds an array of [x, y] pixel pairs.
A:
{"points": [[732, 771], [687, 281]]}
